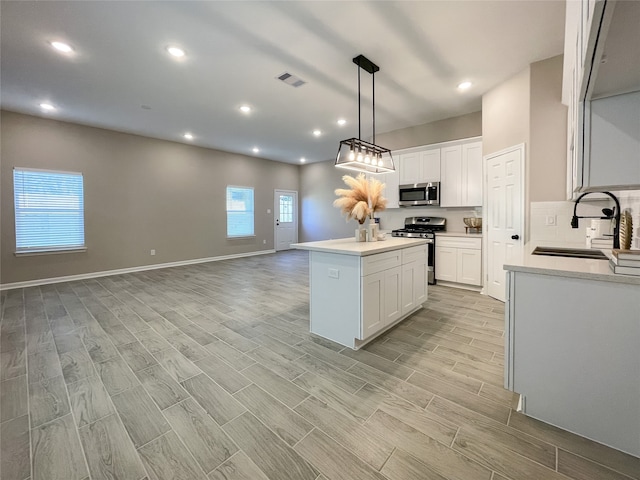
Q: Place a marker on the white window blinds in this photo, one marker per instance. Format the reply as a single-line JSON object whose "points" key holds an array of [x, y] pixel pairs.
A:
{"points": [[239, 212], [49, 209]]}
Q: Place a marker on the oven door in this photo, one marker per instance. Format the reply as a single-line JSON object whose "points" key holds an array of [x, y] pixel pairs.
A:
{"points": [[431, 260]]}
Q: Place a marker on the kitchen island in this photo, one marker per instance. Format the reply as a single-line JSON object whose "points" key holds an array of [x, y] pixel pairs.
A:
{"points": [[360, 289], [572, 337]]}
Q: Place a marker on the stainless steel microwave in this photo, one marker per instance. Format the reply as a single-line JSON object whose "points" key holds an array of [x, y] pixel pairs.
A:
{"points": [[419, 194]]}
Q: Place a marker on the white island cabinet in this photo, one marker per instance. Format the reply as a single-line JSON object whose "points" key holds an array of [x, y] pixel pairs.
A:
{"points": [[572, 336], [359, 290]]}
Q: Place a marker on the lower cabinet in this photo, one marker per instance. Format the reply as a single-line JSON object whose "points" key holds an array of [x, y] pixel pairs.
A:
{"points": [[381, 293], [459, 260]]}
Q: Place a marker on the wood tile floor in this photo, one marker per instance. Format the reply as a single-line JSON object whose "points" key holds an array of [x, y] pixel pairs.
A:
{"points": [[209, 372]]}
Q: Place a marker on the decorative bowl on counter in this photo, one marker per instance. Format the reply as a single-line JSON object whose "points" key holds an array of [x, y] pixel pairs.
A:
{"points": [[472, 222]]}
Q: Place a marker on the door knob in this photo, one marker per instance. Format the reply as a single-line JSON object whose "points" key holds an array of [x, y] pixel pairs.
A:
{"points": [[515, 237], [277, 222]]}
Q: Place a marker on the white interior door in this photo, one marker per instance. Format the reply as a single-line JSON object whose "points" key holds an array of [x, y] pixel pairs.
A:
{"points": [[504, 214], [286, 217]]}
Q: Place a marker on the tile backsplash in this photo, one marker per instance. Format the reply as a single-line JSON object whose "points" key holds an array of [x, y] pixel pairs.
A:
{"points": [[551, 221], [393, 218]]}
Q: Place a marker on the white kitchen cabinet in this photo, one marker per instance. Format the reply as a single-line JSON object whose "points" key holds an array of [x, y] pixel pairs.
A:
{"points": [[461, 175], [414, 279], [459, 260], [380, 300], [392, 182], [420, 166]]}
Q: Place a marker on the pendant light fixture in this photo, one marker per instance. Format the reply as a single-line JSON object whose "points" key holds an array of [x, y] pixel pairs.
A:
{"points": [[355, 153]]}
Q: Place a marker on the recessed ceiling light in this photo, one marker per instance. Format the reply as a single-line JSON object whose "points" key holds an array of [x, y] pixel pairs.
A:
{"points": [[464, 85], [47, 107], [175, 51], [342, 121], [188, 136], [302, 160], [62, 47], [255, 149], [245, 108], [317, 133]]}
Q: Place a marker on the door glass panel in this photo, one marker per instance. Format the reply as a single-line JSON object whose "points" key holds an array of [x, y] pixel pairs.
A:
{"points": [[286, 209]]}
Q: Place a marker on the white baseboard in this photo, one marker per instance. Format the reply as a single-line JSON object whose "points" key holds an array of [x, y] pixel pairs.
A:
{"points": [[142, 268]]}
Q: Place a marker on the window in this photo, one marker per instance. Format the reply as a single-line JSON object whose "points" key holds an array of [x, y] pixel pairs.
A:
{"points": [[286, 209], [239, 212], [49, 208]]}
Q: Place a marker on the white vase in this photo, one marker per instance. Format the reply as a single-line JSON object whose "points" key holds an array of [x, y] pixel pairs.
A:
{"points": [[361, 234], [372, 233]]}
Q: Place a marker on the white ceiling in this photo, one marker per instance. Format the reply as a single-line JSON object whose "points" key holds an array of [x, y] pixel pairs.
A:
{"points": [[235, 51]]}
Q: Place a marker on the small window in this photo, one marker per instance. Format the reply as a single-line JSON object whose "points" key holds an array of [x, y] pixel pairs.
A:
{"points": [[49, 209], [240, 212], [286, 209]]}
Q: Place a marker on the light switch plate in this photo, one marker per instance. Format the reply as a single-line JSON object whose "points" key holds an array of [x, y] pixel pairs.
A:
{"points": [[550, 220]]}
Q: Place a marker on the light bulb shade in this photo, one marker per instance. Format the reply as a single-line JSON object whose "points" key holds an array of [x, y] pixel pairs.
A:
{"points": [[383, 164]]}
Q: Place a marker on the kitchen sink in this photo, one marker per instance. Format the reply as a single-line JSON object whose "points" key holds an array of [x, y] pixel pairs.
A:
{"points": [[570, 252]]}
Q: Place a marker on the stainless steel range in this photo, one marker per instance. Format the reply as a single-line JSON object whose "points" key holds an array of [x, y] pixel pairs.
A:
{"points": [[424, 227]]}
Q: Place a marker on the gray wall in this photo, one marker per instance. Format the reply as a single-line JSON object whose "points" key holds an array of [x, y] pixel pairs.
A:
{"points": [[140, 194], [320, 220]]}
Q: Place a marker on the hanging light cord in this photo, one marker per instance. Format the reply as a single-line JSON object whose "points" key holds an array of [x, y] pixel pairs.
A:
{"points": [[359, 121], [373, 104]]}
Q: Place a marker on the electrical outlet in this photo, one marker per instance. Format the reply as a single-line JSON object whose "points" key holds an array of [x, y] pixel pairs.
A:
{"points": [[334, 273], [152, 252], [268, 210], [550, 220], [264, 242]]}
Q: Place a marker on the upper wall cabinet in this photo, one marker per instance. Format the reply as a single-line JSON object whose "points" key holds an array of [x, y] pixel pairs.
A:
{"points": [[601, 86], [461, 175], [421, 166]]}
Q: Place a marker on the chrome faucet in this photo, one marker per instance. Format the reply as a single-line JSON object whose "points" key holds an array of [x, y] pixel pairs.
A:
{"points": [[616, 212]]}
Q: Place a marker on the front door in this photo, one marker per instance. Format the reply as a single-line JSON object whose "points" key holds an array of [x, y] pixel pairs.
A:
{"points": [[286, 218], [504, 216]]}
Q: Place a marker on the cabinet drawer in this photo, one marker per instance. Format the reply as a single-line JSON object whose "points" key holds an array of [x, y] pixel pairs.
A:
{"points": [[413, 254], [382, 261], [459, 242]]}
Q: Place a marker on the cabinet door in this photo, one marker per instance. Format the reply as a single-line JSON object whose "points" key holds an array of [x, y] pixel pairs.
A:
{"points": [[410, 171], [391, 181], [472, 174], [469, 266], [392, 308], [431, 165], [446, 263], [414, 285], [373, 297], [451, 176]]}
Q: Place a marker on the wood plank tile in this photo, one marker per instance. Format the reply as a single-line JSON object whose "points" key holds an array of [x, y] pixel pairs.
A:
{"points": [[76, 365], [109, 451], [425, 366], [271, 454], [438, 457], [15, 461], [281, 348], [584, 447], [472, 402], [285, 391], [119, 334], [176, 364], [477, 446], [152, 341], [57, 452], [166, 458], [89, 400], [234, 339], [12, 364], [198, 334], [361, 441], [223, 373], [287, 424], [345, 380], [402, 466], [392, 384], [43, 365], [140, 416], [136, 356], [426, 422], [47, 400], [69, 341], [283, 367], [162, 388], [496, 432], [478, 372], [359, 409], [382, 350], [499, 395], [116, 375], [187, 347], [98, 344], [206, 441], [582, 469], [234, 357], [238, 467], [334, 461], [214, 399], [13, 398], [327, 355], [392, 368]]}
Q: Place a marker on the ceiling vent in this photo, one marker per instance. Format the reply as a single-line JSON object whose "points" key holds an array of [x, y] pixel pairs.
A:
{"points": [[291, 80]]}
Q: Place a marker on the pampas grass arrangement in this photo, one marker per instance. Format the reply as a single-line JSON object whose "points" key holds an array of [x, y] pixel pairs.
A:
{"points": [[362, 200]]}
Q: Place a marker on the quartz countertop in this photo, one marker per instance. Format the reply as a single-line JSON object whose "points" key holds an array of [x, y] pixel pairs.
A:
{"points": [[458, 234], [349, 246], [585, 268]]}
